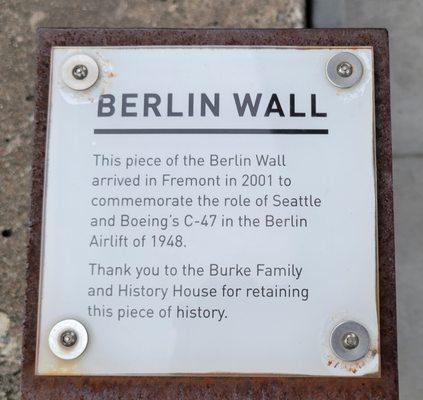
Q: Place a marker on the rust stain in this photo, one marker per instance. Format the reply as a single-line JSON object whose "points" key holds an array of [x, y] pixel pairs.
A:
{"points": [[354, 366]]}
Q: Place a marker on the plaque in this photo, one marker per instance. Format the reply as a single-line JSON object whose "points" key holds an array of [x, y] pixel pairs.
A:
{"points": [[211, 204]]}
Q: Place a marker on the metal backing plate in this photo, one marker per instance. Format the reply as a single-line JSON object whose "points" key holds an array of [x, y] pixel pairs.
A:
{"points": [[384, 387]]}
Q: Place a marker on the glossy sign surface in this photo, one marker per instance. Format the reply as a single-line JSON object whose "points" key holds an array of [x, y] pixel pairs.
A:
{"points": [[209, 211]]}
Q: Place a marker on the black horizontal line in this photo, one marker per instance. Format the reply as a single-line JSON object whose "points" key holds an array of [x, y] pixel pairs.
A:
{"points": [[212, 131]]}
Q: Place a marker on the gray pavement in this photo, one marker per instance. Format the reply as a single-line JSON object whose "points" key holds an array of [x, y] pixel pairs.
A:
{"points": [[404, 20], [18, 22]]}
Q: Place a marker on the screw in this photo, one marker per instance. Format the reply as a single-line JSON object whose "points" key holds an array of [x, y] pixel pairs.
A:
{"points": [[344, 69], [68, 338], [80, 72], [350, 341]]}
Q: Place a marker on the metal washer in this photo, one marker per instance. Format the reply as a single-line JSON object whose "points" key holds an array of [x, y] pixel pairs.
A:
{"points": [[74, 61], [338, 80], [338, 335], [57, 347]]}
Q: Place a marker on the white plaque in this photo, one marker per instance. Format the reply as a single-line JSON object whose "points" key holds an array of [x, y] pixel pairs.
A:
{"points": [[209, 210]]}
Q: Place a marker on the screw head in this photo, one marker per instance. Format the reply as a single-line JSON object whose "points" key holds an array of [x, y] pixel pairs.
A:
{"points": [[68, 338], [350, 340], [80, 72], [344, 69]]}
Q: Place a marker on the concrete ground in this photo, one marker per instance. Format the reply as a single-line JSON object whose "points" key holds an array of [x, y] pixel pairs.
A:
{"points": [[18, 22], [404, 20]]}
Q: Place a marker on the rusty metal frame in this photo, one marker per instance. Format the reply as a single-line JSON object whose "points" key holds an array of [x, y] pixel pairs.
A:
{"points": [[177, 387]]}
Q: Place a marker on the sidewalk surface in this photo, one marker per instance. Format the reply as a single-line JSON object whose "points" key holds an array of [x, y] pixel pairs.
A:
{"points": [[404, 21]]}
